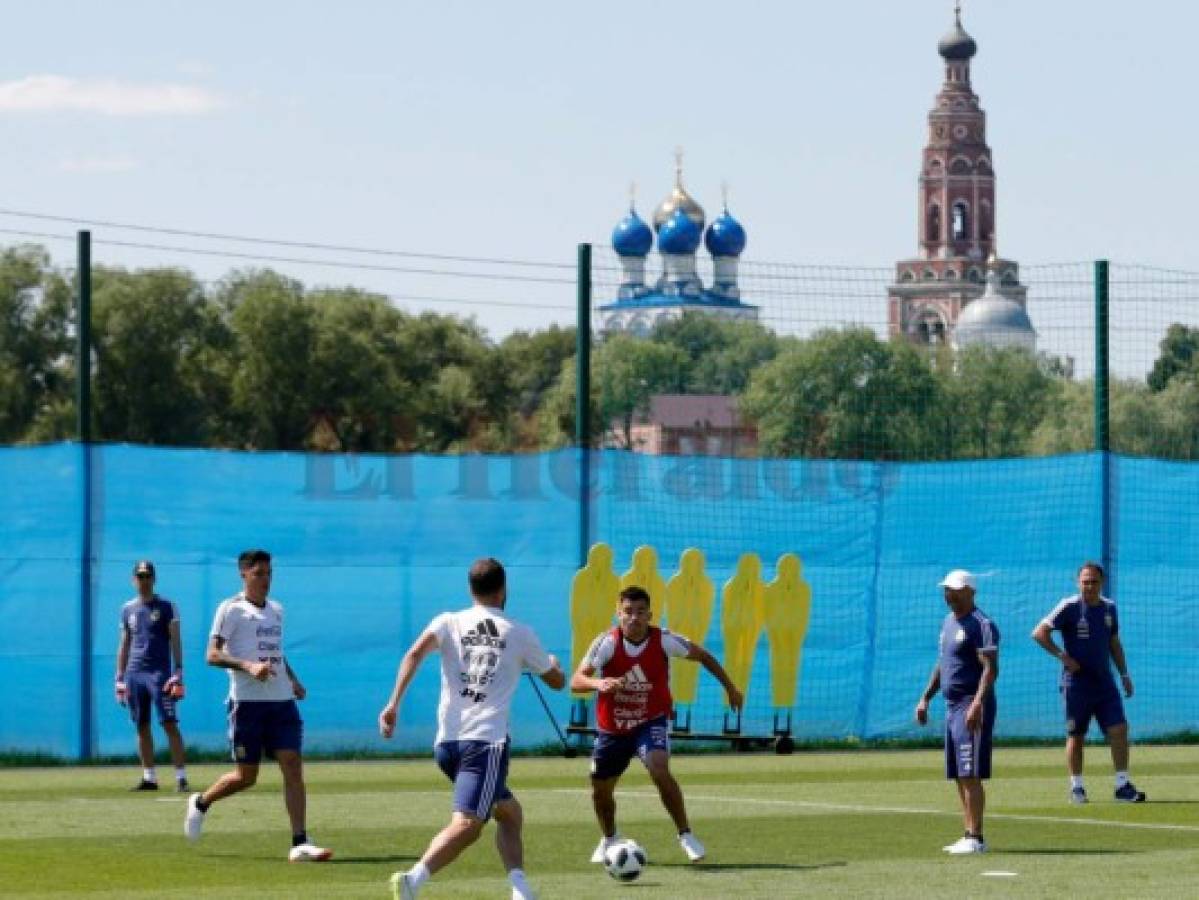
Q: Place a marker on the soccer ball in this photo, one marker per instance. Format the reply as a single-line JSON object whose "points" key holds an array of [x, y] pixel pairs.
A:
{"points": [[624, 860]]}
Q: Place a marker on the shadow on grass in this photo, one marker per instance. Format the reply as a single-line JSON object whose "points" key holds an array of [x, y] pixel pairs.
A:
{"points": [[747, 867], [372, 860], [1062, 851]]}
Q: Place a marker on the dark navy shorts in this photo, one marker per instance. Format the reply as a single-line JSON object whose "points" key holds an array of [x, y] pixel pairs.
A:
{"points": [[145, 691], [479, 770], [968, 753], [263, 726], [612, 753], [1084, 700]]}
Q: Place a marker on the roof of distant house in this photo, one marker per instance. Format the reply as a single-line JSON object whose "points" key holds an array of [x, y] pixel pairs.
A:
{"points": [[693, 410]]}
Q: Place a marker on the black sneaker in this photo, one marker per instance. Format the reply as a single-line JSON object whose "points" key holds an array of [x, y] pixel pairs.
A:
{"points": [[1078, 795], [181, 785], [1129, 794], [145, 785]]}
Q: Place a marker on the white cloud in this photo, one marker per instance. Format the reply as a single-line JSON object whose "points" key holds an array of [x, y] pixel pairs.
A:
{"points": [[100, 165], [56, 93]]}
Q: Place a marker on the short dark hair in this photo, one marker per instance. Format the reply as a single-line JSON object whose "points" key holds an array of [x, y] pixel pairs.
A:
{"points": [[486, 577], [249, 558], [635, 594], [1091, 564]]}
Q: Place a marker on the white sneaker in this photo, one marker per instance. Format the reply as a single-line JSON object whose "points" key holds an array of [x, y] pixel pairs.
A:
{"points": [[401, 887], [691, 846], [308, 853], [193, 821], [602, 847], [966, 845], [523, 893]]}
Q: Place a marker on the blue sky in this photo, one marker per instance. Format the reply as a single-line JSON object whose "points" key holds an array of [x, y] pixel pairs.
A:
{"points": [[513, 130]]}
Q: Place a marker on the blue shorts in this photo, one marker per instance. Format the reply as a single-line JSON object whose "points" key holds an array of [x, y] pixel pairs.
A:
{"points": [[1086, 699], [145, 691], [612, 753], [258, 726], [479, 770], [968, 753]]}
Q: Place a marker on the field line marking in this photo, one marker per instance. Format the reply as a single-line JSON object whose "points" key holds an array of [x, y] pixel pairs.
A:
{"points": [[901, 810]]}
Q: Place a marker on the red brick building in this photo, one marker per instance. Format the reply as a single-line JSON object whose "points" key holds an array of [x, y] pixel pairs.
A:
{"points": [[955, 215]]}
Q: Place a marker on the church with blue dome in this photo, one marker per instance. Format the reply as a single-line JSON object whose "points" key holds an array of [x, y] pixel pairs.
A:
{"points": [[678, 225]]}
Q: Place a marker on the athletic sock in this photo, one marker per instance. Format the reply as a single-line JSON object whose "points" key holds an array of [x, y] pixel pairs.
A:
{"points": [[181, 773], [201, 805], [1121, 779], [300, 837], [148, 775], [518, 881], [1075, 782], [418, 874]]}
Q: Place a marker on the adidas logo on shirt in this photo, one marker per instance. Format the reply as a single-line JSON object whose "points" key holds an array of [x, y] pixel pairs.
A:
{"points": [[485, 634], [636, 682]]}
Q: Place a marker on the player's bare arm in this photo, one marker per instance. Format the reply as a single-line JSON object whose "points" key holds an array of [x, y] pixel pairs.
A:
{"points": [[1043, 635], [119, 689], [553, 677], [930, 691], [990, 664], [702, 656], [1117, 650], [584, 680], [423, 646], [219, 657], [296, 687]]}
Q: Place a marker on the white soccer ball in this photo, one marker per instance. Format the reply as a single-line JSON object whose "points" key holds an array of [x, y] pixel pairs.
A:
{"points": [[624, 860]]}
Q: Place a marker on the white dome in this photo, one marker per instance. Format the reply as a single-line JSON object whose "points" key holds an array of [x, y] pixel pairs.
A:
{"points": [[995, 321]]}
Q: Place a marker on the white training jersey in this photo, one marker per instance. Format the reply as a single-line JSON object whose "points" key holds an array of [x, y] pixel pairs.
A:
{"points": [[603, 648], [483, 654], [255, 634]]}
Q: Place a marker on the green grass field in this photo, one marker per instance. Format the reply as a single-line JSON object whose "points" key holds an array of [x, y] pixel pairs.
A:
{"points": [[859, 824]]}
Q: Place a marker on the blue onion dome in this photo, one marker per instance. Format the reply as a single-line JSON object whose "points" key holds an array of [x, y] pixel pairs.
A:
{"points": [[631, 236], [725, 236], [679, 234], [957, 44]]}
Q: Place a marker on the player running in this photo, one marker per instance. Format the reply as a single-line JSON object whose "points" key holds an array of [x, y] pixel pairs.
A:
{"points": [[483, 653], [247, 639], [629, 667]]}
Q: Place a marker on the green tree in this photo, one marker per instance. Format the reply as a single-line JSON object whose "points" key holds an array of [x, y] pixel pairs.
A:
{"points": [[627, 372], [722, 354], [152, 330], [36, 363], [844, 394], [534, 360], [994, 398], [274, 332], [1178, 354], [356, 391]]}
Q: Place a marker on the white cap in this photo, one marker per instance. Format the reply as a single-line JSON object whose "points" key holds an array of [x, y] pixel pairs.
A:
{"points": [[958, 579]]}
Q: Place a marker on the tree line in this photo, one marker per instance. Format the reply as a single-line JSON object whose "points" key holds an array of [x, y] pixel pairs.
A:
{"points": [[259, 361]]}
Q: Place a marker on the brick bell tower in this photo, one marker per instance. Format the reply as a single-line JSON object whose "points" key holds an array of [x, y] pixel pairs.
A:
{"points": [[956, 212]]}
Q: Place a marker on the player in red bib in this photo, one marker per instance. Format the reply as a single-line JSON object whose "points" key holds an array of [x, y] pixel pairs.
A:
{"points": [[629, 667]]}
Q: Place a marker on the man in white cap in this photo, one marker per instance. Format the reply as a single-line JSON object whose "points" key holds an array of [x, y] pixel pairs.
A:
{"points": [[965, 673]]}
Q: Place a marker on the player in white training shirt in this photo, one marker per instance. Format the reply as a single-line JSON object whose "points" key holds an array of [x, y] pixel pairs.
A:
{"points": [[247, 639], [483, 654]]}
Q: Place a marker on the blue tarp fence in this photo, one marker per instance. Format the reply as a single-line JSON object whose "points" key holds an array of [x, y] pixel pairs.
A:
{"points": [[368, 549]]}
